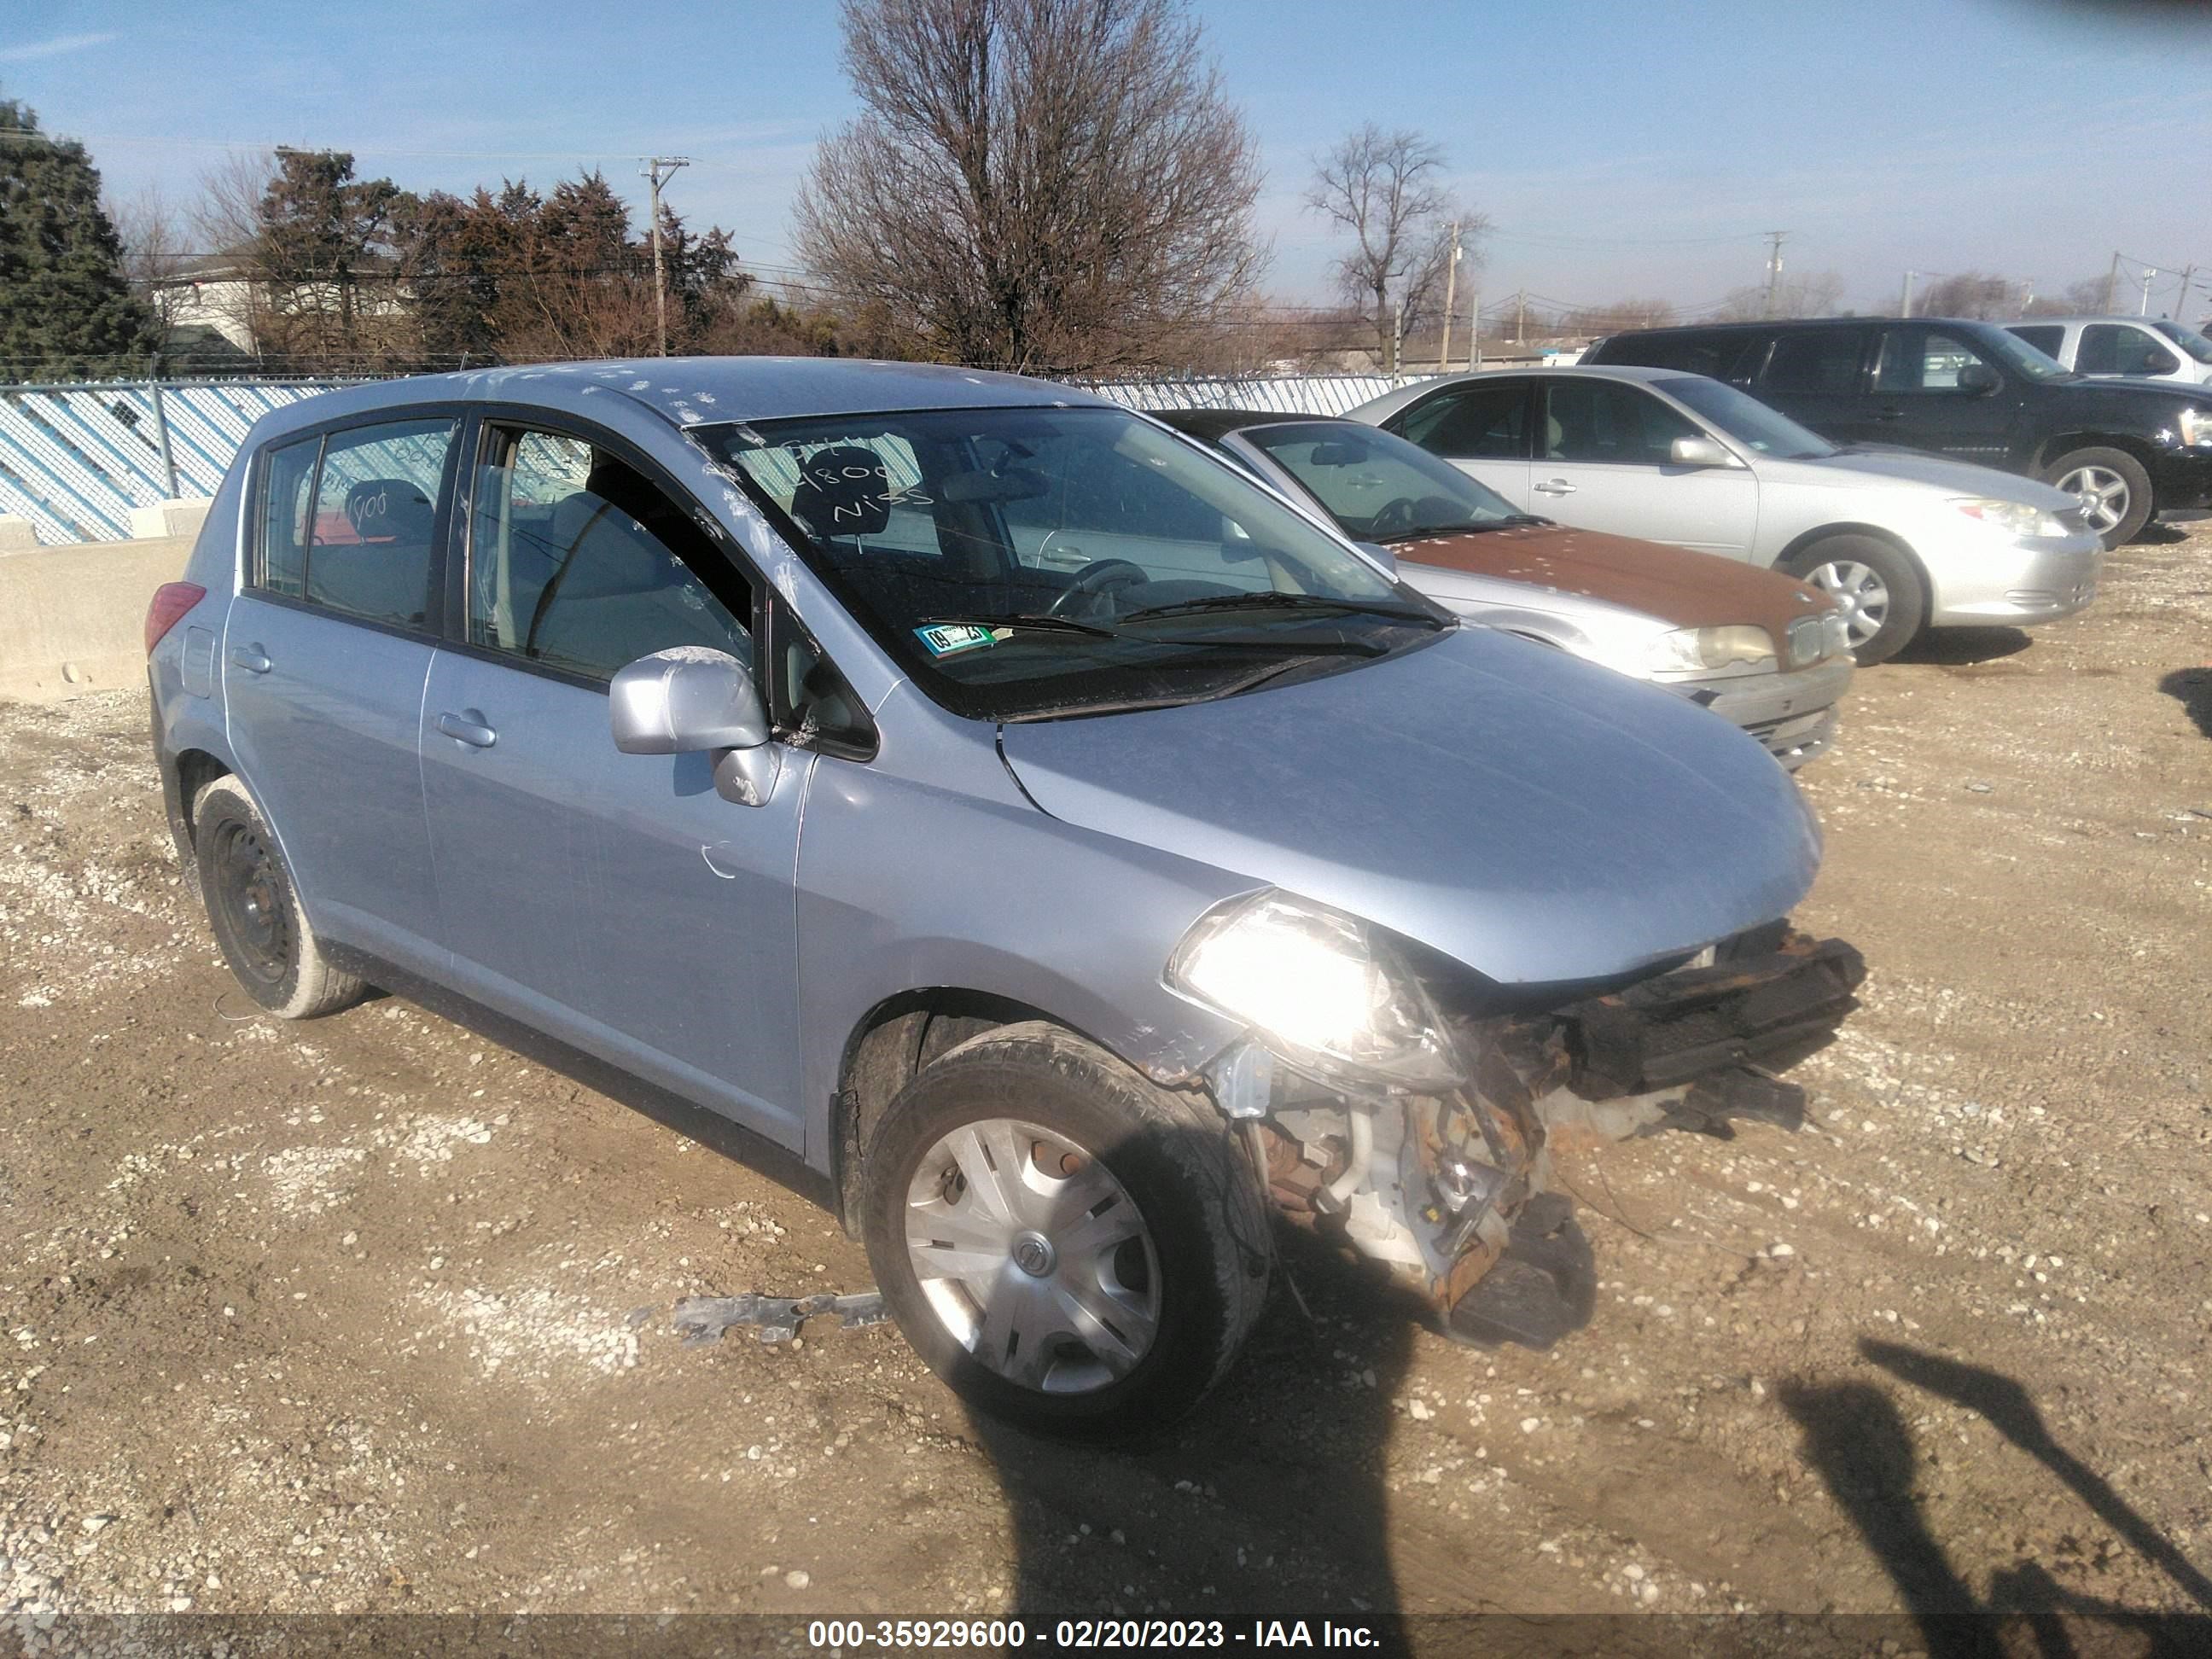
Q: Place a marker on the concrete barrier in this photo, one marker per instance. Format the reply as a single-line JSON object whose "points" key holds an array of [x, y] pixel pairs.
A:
{"points": [[73, 619], [182, 516]]}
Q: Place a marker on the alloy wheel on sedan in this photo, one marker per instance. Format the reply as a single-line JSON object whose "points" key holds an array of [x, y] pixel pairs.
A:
{"points": [[1860, 594], [1033, 1256], [2104, 494]]}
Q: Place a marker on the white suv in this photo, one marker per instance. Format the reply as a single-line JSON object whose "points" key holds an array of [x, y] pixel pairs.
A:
{"points": [[2145, 347]]}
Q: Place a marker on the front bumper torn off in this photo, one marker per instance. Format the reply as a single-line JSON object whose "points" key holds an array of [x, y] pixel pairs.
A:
{"points": [[1694, 1049]]}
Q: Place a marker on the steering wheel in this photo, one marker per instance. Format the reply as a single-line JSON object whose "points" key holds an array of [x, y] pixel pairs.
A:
{"points": [[1392, 517], [1093, 580]]}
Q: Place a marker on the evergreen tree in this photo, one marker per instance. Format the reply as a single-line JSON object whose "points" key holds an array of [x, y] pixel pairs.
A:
{"points": [[66, 312]]}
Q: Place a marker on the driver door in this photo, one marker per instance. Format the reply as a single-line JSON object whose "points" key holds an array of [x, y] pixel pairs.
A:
{"points": [[1605, 462]]}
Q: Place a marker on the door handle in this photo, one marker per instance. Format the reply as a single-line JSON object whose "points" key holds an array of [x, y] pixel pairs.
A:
{"points": [[1891, 413], [468, 726], [252, 659], [1554, 487]]}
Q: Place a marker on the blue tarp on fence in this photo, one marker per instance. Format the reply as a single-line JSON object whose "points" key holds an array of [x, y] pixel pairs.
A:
{"points": [[75, 459]]}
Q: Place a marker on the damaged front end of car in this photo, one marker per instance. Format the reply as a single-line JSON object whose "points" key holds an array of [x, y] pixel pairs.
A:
{"points": [[1412, 1112]]}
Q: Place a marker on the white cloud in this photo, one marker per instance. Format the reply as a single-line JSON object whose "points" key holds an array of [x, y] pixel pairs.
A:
{"points": [[53, 48]]}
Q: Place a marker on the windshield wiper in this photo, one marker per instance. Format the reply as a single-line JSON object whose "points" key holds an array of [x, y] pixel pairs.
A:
{"points": [[1136, 705], [1283, 645], [1038, 621], [1279, 601], [1467, 527]]}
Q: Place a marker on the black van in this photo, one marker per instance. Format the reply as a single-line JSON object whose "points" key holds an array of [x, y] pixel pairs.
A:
{"points": [[1972, 390]]}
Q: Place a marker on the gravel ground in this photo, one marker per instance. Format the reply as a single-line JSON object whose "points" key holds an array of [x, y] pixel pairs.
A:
{"points": [[373, 1314]]}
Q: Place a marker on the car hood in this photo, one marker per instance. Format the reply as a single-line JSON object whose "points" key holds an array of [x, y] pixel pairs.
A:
{"points": [[1530, 815], [1939, 472], [1687, 588]]}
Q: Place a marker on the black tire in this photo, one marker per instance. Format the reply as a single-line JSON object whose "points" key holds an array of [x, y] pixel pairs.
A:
{"points": [[2102, 472], [1172, 1156], [1898, 601], [255, 911]]}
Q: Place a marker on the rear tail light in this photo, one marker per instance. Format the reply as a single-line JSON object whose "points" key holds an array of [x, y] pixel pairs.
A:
{"points": [[171, 601]]}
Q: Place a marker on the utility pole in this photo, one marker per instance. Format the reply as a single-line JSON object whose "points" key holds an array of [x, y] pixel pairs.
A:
{"points": [[2112, 282], [1905, 300], [1397, 338], [1474, 333], [1451, 294], [2143, 310], [1773, 270], [657, 168], [2027, 298], [1520, 316], [2181, 299]]}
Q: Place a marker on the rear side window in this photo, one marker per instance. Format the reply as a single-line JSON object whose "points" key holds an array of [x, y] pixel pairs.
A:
{"points": [[348, 520], [1817, 361], [2046, 337], [1483, 422], [1603, 420], [577, 561], [1716, 354]]}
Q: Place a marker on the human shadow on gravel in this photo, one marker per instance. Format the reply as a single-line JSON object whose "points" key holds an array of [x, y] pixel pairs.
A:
{"points": [[1268, 1502], [1857, 1437], [2192, 689]]}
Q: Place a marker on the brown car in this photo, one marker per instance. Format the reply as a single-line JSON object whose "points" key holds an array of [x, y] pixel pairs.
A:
{"points": [[1758, 648]]}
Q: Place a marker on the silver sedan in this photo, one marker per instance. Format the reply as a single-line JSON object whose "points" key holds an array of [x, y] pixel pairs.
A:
{"points": [[1904, 541]]}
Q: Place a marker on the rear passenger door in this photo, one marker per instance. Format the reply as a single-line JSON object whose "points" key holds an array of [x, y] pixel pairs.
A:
{"points": [[1817, 376], [324, 654], [614, 901], [1481, 426], [1605, 462]]}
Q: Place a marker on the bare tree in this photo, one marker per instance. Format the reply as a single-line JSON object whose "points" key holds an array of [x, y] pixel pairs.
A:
{"points": [[1620, 314], [1388, 190], [1810, 293], [1969, 294], [153, 254], [1035, 183]]}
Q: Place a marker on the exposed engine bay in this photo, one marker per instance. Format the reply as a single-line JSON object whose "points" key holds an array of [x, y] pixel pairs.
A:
{"points": [[1454, 1191]]}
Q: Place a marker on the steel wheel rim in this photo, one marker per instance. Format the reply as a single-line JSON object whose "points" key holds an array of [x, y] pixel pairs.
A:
{"points": [[2103, 493], [1859, 593], [250, 893], [1033, 1257]]}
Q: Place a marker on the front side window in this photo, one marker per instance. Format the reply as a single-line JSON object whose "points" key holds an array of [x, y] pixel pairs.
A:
{"points": [[1032, 562], [1376, 485], [1921, 360], [2123, 348], [1604, 421], [1819, 361], [576, 560], [1487, 421], [1751, 424]]}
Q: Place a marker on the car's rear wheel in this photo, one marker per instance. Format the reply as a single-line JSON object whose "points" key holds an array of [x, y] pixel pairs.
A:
{"points": [[255, 910], [2112, 486], [1874, 584], [1068, 1246]]}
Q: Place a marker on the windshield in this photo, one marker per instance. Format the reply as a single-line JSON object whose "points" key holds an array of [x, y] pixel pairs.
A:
{"points": [[1027, 563], [2187, 338], [2014, 353], [1746, 420], [1378, 486]]}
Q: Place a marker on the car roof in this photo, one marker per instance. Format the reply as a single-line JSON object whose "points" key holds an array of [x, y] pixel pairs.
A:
{"points": [[1562, 371], [1215, 424], [703, 391], [2086, 317]]}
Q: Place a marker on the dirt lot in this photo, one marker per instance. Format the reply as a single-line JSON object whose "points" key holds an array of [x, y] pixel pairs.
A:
{"points": [[374, 1314]]}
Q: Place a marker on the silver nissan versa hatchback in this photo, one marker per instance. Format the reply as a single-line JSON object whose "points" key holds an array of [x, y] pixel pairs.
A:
{"points": [[1068, 850]]}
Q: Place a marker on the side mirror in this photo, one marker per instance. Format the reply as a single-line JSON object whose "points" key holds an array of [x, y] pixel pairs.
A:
{"points": [[1700, 451], [690, 700], [1381, 554], [1980, 379]]}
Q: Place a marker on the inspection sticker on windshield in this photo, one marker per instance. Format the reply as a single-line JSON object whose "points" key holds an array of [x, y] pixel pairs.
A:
{"points": [[944, 639]]}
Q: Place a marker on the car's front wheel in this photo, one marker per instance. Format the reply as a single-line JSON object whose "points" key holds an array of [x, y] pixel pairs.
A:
{"points": [[255, 910], [1068, 1246], [2112, 486], [1876, 588]]}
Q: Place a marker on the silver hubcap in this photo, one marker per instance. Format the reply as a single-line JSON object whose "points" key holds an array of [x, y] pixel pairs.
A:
{"points": [[1033, 1256], [1860, 593], [2102, 492]]}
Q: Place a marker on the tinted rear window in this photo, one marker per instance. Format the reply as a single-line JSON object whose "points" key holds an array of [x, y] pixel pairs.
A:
{"points": [[1717, 353]]}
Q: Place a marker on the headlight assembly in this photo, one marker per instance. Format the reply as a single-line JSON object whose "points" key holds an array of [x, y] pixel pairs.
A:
{"points": [[1323, 990], [2196, 425], [2014, 518], [1691, 651]]}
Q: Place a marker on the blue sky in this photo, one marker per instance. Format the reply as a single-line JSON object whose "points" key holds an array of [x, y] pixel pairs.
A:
{"points": [[1619, 148]]}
